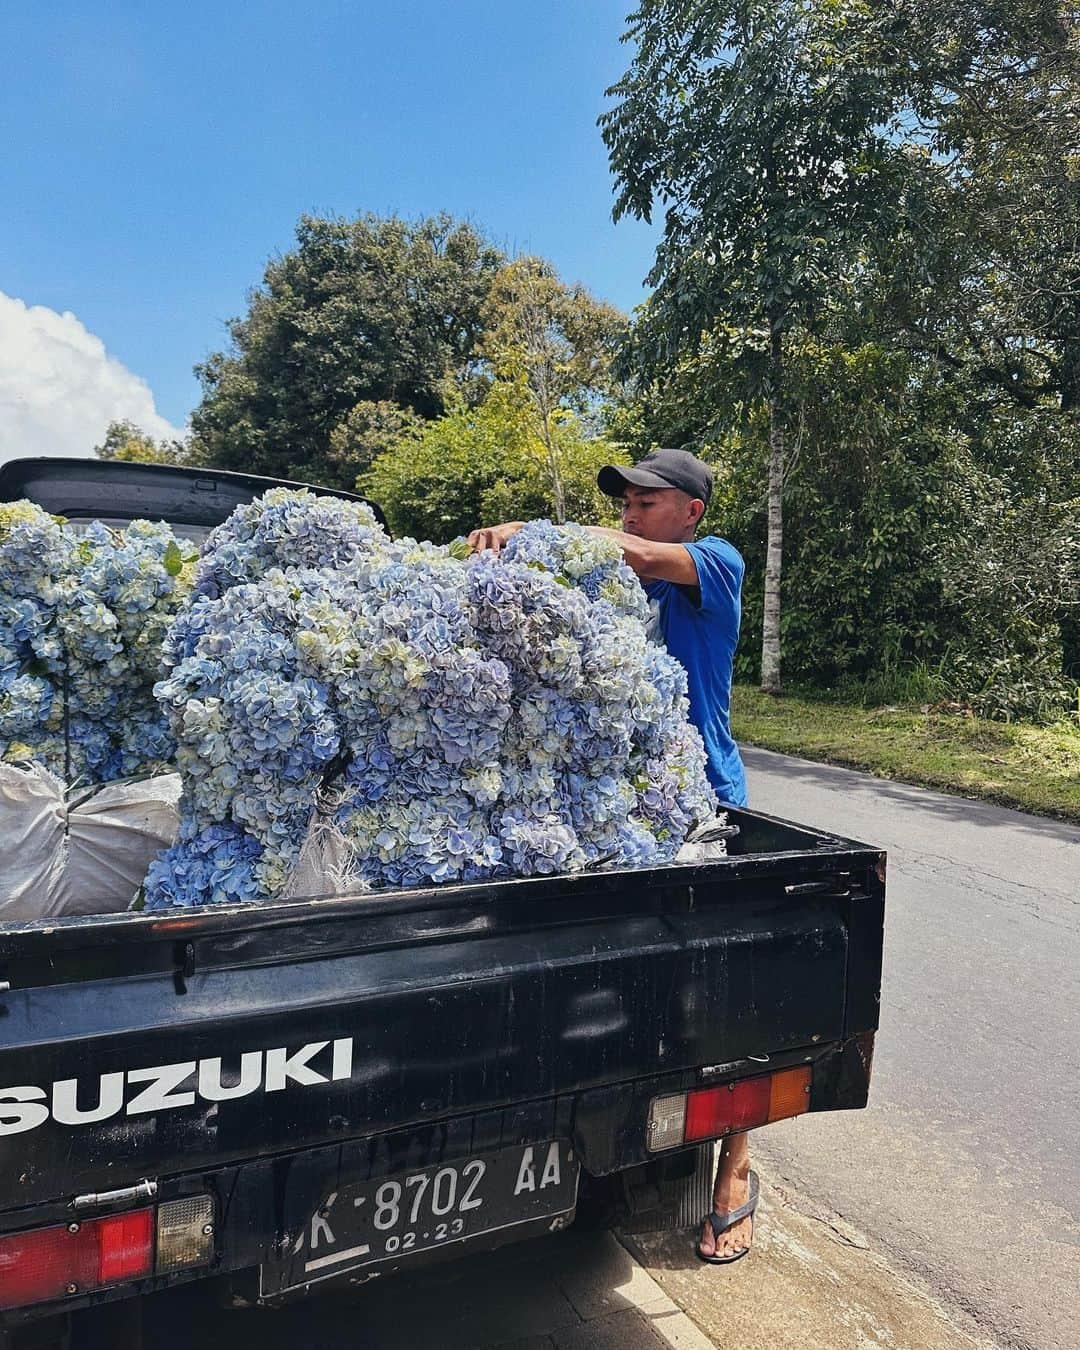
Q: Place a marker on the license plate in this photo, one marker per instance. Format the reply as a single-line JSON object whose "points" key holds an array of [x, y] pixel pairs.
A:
{"points": [[390, 1219]]}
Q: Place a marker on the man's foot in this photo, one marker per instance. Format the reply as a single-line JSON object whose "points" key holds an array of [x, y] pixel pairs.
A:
{"points": [[732, 1191]]}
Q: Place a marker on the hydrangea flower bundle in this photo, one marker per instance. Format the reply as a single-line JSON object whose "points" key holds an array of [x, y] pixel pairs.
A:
{"points": [[458, 718], [82, 619]]}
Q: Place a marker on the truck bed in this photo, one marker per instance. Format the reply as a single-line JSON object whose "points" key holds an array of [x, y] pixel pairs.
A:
{"points": [[147, 1043]]}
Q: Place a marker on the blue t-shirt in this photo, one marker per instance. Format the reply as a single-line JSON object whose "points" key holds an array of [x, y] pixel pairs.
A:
{"points": [[701, 633]]}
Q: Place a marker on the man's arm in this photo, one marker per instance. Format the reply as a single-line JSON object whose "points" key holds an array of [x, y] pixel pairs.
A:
{"points": [[650, 560], [494, 536], [653, 561]]}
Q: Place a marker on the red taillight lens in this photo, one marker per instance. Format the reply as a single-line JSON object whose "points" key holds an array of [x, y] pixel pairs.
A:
{"points": [[127, 1245], [52, 1263], [711, 1112], [720, 1110]]}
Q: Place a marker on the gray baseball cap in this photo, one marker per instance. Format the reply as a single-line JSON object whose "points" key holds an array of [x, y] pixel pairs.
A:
{"points": [[661, 469]]}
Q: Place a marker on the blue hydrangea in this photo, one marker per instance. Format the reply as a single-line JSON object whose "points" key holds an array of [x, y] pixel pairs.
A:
{"points": [[589, 561], [457, 720], [286, 528], [217, 866], [83, 614]]}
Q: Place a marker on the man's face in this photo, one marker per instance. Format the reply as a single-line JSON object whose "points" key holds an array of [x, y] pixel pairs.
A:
{"points": [[664, 515]]}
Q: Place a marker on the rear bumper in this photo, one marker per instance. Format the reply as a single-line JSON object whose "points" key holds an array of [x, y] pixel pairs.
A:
{"points": [[264, 1204]]}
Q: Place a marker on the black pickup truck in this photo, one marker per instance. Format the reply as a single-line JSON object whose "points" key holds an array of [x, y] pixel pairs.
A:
{"points": [[327, 1089]]}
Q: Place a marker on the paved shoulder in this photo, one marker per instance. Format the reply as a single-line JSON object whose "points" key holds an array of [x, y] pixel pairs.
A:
{"points": [[809, 1281]]}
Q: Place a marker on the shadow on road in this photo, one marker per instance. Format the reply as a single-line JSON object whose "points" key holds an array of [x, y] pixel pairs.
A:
{"points": [[574, 1291]]}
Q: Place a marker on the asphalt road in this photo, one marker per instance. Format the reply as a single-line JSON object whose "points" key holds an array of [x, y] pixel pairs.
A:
{"points": [[966, 1166]]}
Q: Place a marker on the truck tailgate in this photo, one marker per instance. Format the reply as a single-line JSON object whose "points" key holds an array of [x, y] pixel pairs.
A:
{"points": [[141, 1043]]}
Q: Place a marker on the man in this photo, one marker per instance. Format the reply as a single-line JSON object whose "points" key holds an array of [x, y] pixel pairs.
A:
{"points": [[694, 588]]}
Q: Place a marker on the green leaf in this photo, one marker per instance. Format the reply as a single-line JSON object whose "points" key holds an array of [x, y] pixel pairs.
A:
{"points": [[173, 560]]}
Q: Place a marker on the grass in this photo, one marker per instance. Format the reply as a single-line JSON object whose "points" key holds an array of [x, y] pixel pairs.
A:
{"points": [[1032, 768]]}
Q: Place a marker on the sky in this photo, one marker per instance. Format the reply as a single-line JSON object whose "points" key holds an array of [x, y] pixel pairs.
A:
{"points": [[156, 155]]}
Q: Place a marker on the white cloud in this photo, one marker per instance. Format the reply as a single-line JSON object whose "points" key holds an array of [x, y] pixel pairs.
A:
{"points": [[60, 389]]}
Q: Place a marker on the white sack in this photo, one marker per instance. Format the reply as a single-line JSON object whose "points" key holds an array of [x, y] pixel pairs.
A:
{"points": [[86, 853], [325, 865], [707, 842]]}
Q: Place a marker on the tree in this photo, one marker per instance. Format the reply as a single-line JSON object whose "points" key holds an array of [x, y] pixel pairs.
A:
{"points": [[765, 130], [932, 467], [487, 463], [367, 431], [125, 441], [994, 90], [1011, 565], [988, 295], [555, 342], [371, 310], [871, 445]]}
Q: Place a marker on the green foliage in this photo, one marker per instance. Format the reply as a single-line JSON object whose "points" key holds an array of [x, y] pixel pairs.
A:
{"points": [[923, 561], [367, 431], [482, 465], [521, 450], [930, 371], [559, 337], [372, 328], [894, 682], [554, 345], [366, 311], [767, 128], [173, 560], [862, 502], [125, 441], [991, 284], [695, 401], [1011, 567], [764, 131]]}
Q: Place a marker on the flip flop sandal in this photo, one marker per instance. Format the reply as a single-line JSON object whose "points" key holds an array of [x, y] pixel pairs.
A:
{"points": [[722, 1222]]}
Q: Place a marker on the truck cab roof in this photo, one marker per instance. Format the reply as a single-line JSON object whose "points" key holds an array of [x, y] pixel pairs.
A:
{"points": [[192, 500]]}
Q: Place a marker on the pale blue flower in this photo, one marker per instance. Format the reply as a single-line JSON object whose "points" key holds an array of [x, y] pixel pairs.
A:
{"points": [[461, 720]]}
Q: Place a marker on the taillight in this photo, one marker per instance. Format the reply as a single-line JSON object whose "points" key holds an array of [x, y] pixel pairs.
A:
{"points": [[57, 1262], [75, 1258], [185, 1233], [709, 1113]]}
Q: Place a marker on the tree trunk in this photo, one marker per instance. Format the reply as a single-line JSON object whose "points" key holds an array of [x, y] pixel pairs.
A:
{"points": [[770, 627], [1070, 346], [1070, 373], [558, 495]]}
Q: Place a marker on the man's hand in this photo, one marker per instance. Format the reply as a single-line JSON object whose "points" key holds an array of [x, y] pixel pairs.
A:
{"points": [[493, 536]]}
